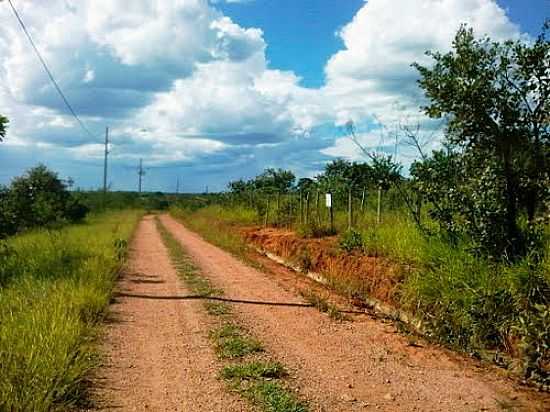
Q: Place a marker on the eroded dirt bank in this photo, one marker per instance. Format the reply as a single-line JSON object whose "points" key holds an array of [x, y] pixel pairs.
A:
{"points": [[157, 354], [354, 365]]}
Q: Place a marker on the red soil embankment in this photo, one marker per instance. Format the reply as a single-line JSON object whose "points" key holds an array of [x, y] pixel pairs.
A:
{"points": [[355, 274]]}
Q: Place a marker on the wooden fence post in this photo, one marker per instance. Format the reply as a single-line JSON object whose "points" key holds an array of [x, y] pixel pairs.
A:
{"points": [[378, 212], [307, 208], [331, 213], [266, 212], [350, 208]]}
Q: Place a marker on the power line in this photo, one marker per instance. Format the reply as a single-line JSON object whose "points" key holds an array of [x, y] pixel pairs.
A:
{"points": [[48, 71]]}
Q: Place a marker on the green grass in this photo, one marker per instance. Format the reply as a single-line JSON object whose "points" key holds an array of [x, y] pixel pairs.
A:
{"points": [[232, 342], [254, 370], [212, 222], [274, 397], [55, 288], [260, 381]]}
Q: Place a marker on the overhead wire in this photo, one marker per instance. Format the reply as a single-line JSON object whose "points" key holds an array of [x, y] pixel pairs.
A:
{"points": [[49, 72]]}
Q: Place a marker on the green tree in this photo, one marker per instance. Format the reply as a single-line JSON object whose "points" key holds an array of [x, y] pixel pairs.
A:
{"points": [[275, 180], [495, 98], [40, 198], [3, 127]]}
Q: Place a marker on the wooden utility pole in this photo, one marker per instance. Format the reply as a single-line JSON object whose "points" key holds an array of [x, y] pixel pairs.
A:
{"points": [[178, 186], [141, 173], [106, 154]]}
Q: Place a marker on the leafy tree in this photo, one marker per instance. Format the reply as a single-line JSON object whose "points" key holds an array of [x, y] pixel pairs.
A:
{"points": [[39, 198], [305, 184], [3, 127], [495, 98], [384, 171], [275, 180], [239, 186]]}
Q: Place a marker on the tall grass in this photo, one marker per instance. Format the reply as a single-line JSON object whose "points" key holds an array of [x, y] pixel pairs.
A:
{"points": [[54, 287], [215, 224]]}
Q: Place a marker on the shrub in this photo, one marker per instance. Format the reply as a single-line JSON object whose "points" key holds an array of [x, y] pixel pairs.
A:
{"points": [[38, 198], [351, 240]]}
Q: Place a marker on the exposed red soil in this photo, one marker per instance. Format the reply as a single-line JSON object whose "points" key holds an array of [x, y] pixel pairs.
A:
{"points": [[360, 274], [360, 365], [156, 352]]}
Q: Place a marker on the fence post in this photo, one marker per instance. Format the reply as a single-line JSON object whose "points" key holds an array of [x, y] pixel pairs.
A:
{"points": [[301, 208], [350, 208], [317, 208], [307, 208], [331, 213], [378, 217], [266, 212], [289, 211], [363, 200]]}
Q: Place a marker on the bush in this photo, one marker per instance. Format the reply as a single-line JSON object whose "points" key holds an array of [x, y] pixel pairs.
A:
{"points": [[351, 240], [38, 198]]}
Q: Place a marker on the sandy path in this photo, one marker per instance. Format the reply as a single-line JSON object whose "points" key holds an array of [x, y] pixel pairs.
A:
{"points": [[358, 365], [158, 357]]}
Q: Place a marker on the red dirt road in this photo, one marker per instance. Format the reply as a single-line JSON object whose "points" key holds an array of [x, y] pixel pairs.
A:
{"points": [[157, 354], [349, 366]]}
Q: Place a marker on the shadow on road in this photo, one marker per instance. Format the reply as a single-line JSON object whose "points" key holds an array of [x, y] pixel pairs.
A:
{"points": [[221, 299]]}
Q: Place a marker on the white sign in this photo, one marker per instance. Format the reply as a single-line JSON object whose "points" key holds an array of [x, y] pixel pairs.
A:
{"points": [[329, 199]]}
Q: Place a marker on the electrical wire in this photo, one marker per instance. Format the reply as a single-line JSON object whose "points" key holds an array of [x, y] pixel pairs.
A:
{"points": [[48, 71]]}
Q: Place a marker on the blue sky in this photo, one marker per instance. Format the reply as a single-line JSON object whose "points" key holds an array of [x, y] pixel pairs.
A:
{"points": [[209, 91], [301, 34]]}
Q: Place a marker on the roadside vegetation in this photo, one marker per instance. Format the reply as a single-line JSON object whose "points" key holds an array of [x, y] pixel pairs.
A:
{"points": [[464, 236], [54, 288], [247, 369]]}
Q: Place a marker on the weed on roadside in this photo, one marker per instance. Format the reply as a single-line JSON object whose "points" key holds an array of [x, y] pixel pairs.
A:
{"points": [[323, 305]]}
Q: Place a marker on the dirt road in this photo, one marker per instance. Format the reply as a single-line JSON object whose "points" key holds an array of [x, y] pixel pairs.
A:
{"points": [[352, 365], [158, 356]]}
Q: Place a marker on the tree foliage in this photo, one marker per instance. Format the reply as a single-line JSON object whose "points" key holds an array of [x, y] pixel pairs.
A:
{"points": [[38, 198], [496, 99], [3, 127]]}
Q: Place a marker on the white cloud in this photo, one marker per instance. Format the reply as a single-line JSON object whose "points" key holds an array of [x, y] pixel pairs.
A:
{"points": [[200, 83], [372, 77]]}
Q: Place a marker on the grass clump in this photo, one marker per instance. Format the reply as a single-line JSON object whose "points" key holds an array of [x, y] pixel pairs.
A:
{"points": [[274, 397], [260, 382], [323, 305], [232, 342], [54, 290], [254, 370], [217, 308]]}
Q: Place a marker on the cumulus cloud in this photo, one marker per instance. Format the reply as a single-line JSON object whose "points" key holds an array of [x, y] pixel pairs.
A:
{"points": [[372, 77], [180, 83]]}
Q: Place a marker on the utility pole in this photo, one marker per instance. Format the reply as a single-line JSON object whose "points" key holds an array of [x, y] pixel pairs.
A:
{"points": [[178, 186], [141, 173], [105, 160]]}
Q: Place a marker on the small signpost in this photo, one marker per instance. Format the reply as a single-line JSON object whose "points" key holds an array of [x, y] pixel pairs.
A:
{"points": [[328, 199]]}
